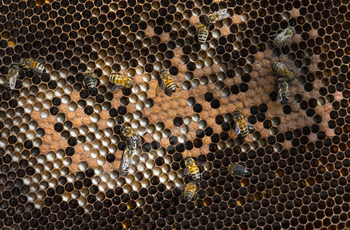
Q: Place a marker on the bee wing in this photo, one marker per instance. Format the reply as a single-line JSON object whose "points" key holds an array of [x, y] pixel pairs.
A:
{"points": [[250, 126], [132, 142], [279, 96], [187, 171], [115, 87], [125, 165], [237, 129]]}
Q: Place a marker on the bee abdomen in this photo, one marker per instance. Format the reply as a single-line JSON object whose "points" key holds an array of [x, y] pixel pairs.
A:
{"points": [[188, 195], [276, 43], [244, 130], [202, 36], [170, 84], [38, 67], [116, 79], [194, 171]]}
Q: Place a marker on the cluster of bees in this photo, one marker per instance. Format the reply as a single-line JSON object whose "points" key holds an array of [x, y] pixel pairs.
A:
{"points": [[169, 86], [26, 64]]}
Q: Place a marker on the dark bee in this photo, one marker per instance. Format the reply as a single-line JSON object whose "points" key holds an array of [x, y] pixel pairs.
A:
{"points": [[167, 81], [238, 170], [192, 169], [132, 135], [282, 70], [283, 92], [241, 126], [282, 38], [33, 65], [202, 33], [10, 82], [126, 160], [90, 80], [190, 191], [121, 80]]}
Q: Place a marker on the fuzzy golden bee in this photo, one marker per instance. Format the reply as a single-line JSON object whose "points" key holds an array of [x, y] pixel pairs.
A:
{"points": [[33, 65], [192, 169], [282, 38], [126, 160], [202, 33], [190, 191], [241, 126], [238, 170], [132, 135], [121, 80], [282, 70], [283, 91], [217, 16], [90, 80], [10, 82], [167, 81]]}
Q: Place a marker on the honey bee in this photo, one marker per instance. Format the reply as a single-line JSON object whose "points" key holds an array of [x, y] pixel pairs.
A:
{"points": [[33, 65], [283, 92], [282, 70], [90, 80], [238, 170], [11, 78], [190, 191], [132, 135], [282, 38], [217, 16], [121, 80], [192, 169], [241, 126], [202, 33], [167, 81], [126, 160]]}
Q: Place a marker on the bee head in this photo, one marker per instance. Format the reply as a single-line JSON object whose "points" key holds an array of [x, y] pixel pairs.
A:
{"points": [[281, 80], [129, 82], [15, 67], [189, 161], [129, 150], [211, 17], [162, 72], [22, 62], [206, 20]]}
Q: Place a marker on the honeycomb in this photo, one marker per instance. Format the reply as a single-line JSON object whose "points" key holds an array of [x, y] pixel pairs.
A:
{"points": [[61, 145]]}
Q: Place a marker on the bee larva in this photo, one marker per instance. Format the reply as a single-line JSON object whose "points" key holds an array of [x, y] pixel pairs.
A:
{"points": [[121, 80], [132, 135], [282, 38], [90, 80], [283, 92], [10, 82], [190, 191], [238, 170], [33, 65], [241, 126], [126, 160], [202, 33], [167, 81], [192, 169], [282, 70]]}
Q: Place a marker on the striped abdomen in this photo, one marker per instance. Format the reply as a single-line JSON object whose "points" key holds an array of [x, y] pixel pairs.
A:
{"points": [[283, 70], [190, 190], [202, 35], [194, 171], [116, 79], [244, 129], [90, 82], [38, 67], [170, 84]]}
